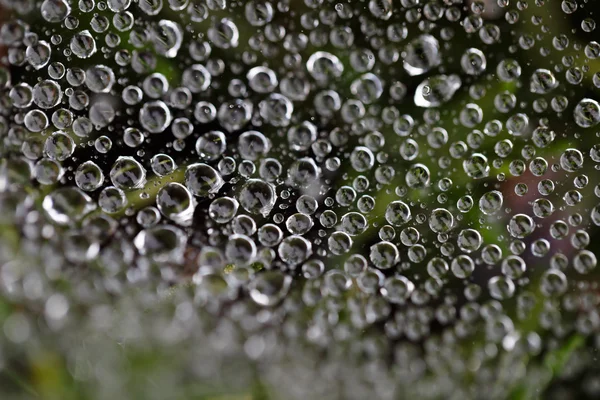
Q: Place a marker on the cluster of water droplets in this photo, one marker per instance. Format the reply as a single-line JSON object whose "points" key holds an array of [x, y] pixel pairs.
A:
{"points": [[377, 180]]}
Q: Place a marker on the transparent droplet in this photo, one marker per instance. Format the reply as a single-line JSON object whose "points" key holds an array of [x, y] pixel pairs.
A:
{"points": [[269, 288], [421, 55], [202, 179], [89, 176], [83, 44], [175, 202], [127, 173], [67, 205], [155, 116], [587, 113]]}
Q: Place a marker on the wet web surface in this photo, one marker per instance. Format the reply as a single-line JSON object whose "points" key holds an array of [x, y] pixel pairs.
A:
{"points": [[347, 199]]}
